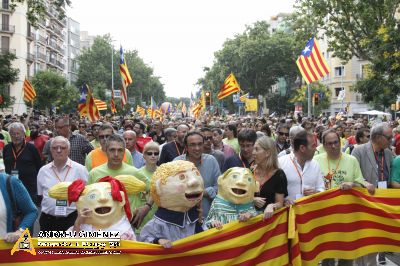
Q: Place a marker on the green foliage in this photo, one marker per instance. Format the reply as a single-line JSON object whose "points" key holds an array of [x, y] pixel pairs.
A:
{"points": [[37, 8], [257, 58], [52, 90], [366, 29], [95, 70], [301, 95], [8, 76]]}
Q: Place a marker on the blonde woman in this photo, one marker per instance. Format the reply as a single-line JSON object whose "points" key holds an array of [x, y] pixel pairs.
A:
{"points": [[273, 183], [143, 203]]}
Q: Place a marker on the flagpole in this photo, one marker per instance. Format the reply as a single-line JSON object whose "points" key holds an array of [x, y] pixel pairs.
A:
{"points": [[112, 71], [309, 101]]}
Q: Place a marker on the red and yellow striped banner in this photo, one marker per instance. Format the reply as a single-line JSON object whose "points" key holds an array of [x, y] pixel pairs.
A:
{"points": [[256, 242], [331, 224], [345, 224]]}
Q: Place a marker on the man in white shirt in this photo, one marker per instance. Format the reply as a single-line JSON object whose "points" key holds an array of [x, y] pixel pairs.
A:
{"points": [[57, 215], [303, 174]]}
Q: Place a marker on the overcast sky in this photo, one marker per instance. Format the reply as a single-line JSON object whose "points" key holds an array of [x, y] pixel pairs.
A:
{"points": [[175, 37]]}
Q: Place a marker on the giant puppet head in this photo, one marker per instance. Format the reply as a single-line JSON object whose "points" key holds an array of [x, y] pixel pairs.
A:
{"points": [[108, 198], [177, 186], [237, 185]]}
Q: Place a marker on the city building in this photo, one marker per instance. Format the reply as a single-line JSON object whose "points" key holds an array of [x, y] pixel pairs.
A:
{"points": [[73, 50], [86, 40], [343, 77], [36, 49]]}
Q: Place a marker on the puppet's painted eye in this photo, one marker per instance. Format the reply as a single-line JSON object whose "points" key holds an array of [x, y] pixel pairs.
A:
{"points": [[182, 176], [234, 176], [110, 194], [249, 179], [92, 196]]}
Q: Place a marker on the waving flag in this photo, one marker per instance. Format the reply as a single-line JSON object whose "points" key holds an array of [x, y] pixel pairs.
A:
{"points": [[230, 86], [184, 109], [100, 104], [244, 97], [29, 91], [140, 110], [312, 63], [125, 78], [87, 106], [113, 108]]}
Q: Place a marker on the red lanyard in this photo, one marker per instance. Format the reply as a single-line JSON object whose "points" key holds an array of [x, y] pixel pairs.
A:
{"points": [[66, 174], [382, 163], [299, 174], [244, 165], [177, 149], [18, 154]]}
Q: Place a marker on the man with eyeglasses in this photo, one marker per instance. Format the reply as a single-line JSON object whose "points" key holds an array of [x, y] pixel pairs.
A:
{"points": [[207, 165], [208, 149], [57, 215], [98, 156], [375, 158], [281, 140]]}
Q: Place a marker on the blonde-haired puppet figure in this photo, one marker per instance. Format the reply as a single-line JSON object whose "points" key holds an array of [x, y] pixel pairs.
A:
{"points": [[234, 201], [177, 189], [103, 205]]}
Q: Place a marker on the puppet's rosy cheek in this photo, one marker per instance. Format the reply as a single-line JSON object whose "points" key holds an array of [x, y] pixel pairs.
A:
{"points": [[181, 188]]}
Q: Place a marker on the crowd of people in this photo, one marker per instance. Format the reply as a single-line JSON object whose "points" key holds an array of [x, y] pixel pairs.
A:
{"points": [[290, 158]]}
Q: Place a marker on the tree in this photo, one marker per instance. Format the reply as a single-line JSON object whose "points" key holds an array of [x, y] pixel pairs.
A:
{"points": [[37, 8], [301, 96], [367, 29], [257, 58], [52, 91], [95, 70], [8, 76]]}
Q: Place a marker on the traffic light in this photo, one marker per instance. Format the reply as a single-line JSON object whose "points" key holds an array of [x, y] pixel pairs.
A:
{"points": [[208, 98], [316, 98]]}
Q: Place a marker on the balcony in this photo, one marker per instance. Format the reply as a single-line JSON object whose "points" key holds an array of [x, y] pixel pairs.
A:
{"points": [[30, 57], [7, 28], [58, 32], [42, 40], [41, 56], [51, 61], [60, 65], [7, 51], [30, 36]]}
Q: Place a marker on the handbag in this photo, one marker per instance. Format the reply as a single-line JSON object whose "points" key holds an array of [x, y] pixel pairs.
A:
{"points": [[17, 215]]}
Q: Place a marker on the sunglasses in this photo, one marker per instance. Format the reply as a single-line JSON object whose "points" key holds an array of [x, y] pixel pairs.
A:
{"points": [[82, 126], [149, 153], [104, 136], [208, 138], [282, 133]]}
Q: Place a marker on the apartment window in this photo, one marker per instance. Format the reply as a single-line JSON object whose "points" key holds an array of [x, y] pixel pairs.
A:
{"points": [[339, 71], [5, 4], [5, 43], [5, 22], [337, 91]]}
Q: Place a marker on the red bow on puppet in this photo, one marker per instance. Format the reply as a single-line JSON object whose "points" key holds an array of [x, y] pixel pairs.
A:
{"points": [[77, 187]]}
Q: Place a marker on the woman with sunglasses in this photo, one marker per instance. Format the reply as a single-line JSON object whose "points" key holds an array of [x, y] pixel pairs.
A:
{"points": [[143, 203]]}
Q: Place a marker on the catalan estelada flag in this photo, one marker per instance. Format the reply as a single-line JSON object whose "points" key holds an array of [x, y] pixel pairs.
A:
{"points": [[29, 91], [230, 86], [311, 62], [126, 79], [100, 104], [87, 106], [244, 97], [140, 110]]}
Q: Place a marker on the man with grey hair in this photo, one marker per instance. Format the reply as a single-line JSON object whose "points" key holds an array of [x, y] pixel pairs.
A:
{"points": [[174, 148], [56, 214], [375, 158], [170, 135], [22, 159]]}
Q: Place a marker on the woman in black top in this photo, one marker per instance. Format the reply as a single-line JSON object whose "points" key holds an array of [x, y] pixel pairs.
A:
{"points": [[273, 182]]}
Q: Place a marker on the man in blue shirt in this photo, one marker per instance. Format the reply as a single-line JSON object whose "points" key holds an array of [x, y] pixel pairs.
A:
{"points": [[207, 165]]}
